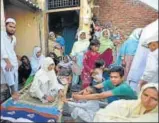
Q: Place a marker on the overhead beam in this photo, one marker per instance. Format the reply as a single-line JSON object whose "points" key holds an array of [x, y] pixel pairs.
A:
{"points": [[63, 9]]}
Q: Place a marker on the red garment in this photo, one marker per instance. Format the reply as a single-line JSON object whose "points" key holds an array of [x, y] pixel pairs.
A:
{"points": [[88, 65], [107, 56], [98, 28]]}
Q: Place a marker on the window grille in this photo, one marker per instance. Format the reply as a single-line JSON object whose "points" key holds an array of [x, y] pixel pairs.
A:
{"points": [[54, 4]]}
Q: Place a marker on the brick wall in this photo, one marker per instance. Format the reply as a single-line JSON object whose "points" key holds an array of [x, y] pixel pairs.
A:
{"points": [[125, 14]]}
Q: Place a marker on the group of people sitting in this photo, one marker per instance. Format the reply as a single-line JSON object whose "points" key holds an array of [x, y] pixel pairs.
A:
{"points": [[88, 63], [91, 65]]}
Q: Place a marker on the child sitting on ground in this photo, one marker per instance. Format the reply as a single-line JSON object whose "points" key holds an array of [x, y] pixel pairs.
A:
{"points": [[65, 63], [83, 110]]}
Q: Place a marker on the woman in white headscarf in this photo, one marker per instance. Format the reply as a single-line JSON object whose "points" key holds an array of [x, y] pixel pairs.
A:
{"points": [[145, 109], [78, 50], [45, 85], [128, 50], [81, 45], [36, 60]]}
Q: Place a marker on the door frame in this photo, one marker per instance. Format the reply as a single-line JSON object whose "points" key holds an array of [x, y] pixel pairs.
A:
{"points": [[46, 21]]}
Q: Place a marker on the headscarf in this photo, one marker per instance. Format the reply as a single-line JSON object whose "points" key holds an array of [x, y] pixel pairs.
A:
{"points": [[136, 34], [80, 45], [36, 61], [139, 108], [43, 72], [130, 46], [128, 110], [105, 43], [46, 63], [79, 34], [35, 51], [28, 61], [46, 78], [52, 36]]}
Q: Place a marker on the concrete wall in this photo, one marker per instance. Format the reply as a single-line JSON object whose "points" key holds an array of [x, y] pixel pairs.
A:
{"points": [[125, 14], [27, 29]]}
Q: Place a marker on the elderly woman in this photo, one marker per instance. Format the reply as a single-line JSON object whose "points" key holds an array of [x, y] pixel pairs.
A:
{"points": [[53, 45], [145, 109], [45, 85]]}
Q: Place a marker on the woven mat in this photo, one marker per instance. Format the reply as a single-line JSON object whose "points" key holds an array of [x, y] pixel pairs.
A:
{"points": [[28, 99]]}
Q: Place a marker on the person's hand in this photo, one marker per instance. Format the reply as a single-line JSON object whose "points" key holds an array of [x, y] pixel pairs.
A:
{"points": [[9, 67], [142, 83], [61, 93], [15, 96], [76, 96], [98, 79], [64, 100], [19, 57], [50, 99], [80, 92], [91, 71]]}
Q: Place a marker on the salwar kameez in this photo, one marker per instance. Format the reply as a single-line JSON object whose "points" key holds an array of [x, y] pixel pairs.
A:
{"points": [[89, 64]]}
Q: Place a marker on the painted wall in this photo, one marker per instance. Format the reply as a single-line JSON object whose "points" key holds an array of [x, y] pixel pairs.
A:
{"points": [[27, 29]]}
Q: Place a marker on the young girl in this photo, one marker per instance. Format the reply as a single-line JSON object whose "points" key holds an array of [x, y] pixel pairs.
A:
{"points": [[89, 63], [24, 69]]}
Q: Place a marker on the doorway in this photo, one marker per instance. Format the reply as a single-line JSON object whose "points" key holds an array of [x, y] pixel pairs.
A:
{"points": [[66, 24]]}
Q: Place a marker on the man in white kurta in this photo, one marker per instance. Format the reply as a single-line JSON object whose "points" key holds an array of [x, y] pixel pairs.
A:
{"points": [[139, 62], [9, 62], [151, 70]]}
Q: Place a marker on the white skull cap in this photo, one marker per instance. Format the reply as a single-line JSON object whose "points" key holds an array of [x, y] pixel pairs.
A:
{"points": [[11, 20]]}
